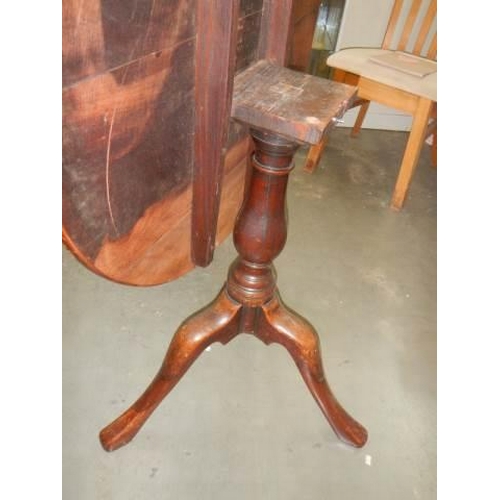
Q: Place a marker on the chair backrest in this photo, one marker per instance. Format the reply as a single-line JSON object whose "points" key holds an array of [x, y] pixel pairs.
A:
{"points": [[412, 28]]}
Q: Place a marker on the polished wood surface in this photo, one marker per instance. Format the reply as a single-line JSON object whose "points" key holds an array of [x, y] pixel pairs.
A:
{"points": [[275, 32], [132, 99], [216, 323], [214, 69], [249, 301], [304, 18]]}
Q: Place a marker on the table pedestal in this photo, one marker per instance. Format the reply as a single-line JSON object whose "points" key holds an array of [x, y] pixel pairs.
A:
{"points": [[248, 303]]}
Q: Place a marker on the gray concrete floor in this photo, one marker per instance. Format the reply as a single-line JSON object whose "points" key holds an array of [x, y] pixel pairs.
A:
{"points": [[241, 424]]}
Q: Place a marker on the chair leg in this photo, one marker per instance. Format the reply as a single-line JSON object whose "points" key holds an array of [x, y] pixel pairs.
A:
{"points": [[412, 152], [314, 155], [360, 118], [316, 151]]}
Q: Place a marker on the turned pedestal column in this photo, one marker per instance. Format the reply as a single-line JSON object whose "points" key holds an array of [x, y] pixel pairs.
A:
{"points": [[283, 109]]}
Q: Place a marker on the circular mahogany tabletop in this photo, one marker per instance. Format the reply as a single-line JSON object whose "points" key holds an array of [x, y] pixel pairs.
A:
{"points": [[128, 140]]}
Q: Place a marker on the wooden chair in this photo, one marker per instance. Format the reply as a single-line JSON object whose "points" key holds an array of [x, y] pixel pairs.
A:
{"points": [[416, 95]]}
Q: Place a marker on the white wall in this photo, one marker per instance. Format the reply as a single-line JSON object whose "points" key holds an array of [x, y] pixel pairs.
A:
{"points": [[363, 25]]}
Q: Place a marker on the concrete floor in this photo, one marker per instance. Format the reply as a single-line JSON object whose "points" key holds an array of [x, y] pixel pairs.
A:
{"points": [[241, 424]]}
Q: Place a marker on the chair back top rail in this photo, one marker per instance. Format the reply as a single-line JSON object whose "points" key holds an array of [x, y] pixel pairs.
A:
{"points": [[412, 28]]}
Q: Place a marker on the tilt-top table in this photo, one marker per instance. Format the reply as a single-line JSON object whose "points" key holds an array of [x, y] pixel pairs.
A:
{"points": [[283, 109]]}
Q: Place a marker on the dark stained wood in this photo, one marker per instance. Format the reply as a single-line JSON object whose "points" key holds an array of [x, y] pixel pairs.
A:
{"points": [[216, 323], [250, 301], [126, 76], [275, 31], [250, 7], [292, 104], [248, 39], [116, 162], [222, 51], [304, 16], [157, 249], [280, 324], [128, 84], [153, 171], [100, 35], [247, 53], [129, 118], [215, 65]]}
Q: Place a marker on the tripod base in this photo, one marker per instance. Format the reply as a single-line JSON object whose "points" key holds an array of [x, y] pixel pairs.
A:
{"points": [[284, 109], [221, 321]]}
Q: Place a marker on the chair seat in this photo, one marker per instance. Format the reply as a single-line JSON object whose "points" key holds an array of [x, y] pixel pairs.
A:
{"points": [[357, 60]]}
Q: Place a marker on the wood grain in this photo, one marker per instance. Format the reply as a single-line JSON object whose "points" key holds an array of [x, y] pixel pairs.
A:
{"points": [[275, 31], [131, 108], [292, 104], [304, 16], [215, 66], [408, 26], [100, 35], [248, 303], [412, 152], [158, 247], [391, 25], [425, 28], [129, 118], [116, 162], [247, 45]]}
